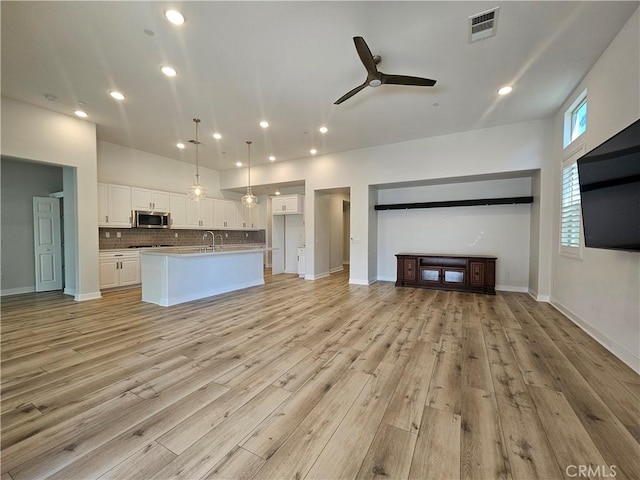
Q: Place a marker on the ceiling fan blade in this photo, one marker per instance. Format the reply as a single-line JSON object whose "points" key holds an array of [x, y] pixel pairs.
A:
{"points": [[350, 94], [365, 55], [406, 80]]}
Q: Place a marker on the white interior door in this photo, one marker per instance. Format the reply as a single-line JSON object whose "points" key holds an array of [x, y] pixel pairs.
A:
{"points": [[47, 243]]}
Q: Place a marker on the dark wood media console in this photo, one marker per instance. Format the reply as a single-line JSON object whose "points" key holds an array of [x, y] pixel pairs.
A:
{"points": [[447, 272]]}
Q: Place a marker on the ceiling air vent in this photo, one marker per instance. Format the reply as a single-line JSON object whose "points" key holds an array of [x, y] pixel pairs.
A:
{"points": [[483, 25]]}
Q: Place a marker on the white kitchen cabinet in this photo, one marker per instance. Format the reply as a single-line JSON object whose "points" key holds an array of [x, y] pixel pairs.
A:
{"points": [[199, 214], [206, 212], [230, 215], [287, 205], [252, 218], [151, 200], [218, 213], [119, 268], [114, 205], [178, 210]]}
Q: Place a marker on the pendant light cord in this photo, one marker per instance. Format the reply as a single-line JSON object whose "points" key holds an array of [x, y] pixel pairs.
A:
{"points": [[197, 122], [249, 166]]}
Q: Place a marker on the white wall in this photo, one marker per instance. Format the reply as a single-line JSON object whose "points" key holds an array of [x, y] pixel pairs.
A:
{"points": [[21, 181], [522, 147], [500, 230], [601, 292], [34, 133], [124, 165], [322, 236]]}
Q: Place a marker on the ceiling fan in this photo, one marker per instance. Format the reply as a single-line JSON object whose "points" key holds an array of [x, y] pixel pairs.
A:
{"points": [[375, 77]]}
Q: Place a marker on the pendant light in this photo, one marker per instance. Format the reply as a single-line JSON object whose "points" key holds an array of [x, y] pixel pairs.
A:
{"points": [[249, 199], [197, 192]]}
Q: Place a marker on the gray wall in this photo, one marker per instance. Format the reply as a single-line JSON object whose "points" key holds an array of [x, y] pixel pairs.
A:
{"points": [[21, 181]]}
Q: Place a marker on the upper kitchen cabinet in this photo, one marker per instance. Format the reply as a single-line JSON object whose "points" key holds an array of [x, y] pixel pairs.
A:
{"points": [[252, 218], [152, 200], [225, 214], [187, 213], [199, 214], [114, 205], [287, 204], [178, 210]]}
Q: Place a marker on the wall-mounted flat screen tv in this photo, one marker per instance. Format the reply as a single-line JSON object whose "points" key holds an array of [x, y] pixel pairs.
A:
{"points": [[609, 178]]}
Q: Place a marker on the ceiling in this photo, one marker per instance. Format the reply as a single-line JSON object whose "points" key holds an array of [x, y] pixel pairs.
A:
{"points": [[287, 62]]}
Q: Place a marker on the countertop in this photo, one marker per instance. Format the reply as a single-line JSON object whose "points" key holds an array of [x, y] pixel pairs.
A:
{"points": [[239, 246], [202, 251]]}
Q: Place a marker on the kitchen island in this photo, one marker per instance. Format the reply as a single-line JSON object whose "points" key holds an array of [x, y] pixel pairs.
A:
{"points": [[171, 276]]}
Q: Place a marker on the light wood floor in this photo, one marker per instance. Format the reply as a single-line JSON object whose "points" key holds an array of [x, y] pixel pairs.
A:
{"points": [[301, 379]]}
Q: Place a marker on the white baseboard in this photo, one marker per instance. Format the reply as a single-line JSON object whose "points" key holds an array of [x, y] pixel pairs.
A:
{"points": [[511, 288], [69, 291], [17, 291], [336, 269], [345, 263], [387, 279], [81, 297], [317, 276], [355, 281], [537, 297], [616, 349]]}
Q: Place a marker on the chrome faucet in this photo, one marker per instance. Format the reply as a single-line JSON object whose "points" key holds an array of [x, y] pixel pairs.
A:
{"points": [[213, 238], [221, 241]]}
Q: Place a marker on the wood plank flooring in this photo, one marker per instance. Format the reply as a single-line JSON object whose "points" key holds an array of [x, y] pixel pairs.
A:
{"points": [[311, 380]]}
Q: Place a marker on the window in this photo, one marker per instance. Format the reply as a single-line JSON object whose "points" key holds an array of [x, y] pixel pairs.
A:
{"points": [[579, 120], [570, 218], [575, 119]]}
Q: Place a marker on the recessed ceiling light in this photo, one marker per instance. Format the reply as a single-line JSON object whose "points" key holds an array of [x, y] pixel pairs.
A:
{"points": [[174, 16], [313, 151], [505, 90], [238, 164], [217, 136], [81, 113], [264, 124], [180, 145], [116, 95], [272, 158], [169, 71], [323, 129], [277, 192]]}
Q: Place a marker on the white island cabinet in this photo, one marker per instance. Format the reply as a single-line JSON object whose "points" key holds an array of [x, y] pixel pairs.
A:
{"points": [[170, 277]]}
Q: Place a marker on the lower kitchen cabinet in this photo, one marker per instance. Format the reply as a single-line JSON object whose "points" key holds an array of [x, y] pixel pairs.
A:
{"points": [[119, 269]]}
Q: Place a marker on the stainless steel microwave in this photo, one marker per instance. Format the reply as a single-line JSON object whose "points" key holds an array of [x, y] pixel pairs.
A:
{"points": [[143, 219]]}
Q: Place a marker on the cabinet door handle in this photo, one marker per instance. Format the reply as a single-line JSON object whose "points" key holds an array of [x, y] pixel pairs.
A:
{"points": [[107, 218]]}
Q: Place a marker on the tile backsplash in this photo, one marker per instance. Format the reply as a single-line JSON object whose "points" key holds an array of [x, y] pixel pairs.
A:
{"points": [[134, 237]]}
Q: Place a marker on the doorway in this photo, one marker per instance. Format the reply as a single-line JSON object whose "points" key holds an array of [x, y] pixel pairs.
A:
{"points": [[22, 180], [332, 220]]}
